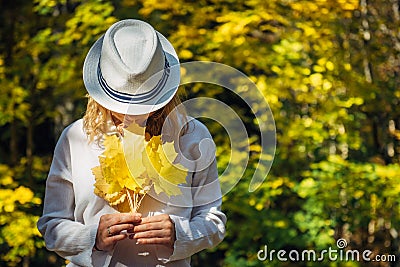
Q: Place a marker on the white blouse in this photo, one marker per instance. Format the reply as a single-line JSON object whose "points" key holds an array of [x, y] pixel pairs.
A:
{"points": [[72, 211]]}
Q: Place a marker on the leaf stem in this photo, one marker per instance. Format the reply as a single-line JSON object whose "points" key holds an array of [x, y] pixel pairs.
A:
{"points": [[140, 200], [131, 204]]}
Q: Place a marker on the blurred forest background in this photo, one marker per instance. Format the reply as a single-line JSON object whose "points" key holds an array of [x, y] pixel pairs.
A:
{"points": [[330, 70]]}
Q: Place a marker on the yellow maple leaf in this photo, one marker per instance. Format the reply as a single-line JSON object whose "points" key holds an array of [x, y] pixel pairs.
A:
{"points": [[133, 144], [165, 175], [113, 176], [129, 167]]}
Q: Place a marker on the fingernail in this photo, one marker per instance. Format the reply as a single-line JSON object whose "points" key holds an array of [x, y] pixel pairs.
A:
{"points": [[137, 241], [123, 232]]}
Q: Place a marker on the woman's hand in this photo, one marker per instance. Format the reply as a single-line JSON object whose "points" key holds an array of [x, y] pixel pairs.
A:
{"points": [[158, 229], [111, 226]]}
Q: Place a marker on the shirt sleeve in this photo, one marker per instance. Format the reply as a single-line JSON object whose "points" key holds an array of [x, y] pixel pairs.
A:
{"points": [[72, 240], [206, 227]]}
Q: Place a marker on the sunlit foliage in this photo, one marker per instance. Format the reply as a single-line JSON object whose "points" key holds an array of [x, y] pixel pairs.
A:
{"points": [[329, 70]]}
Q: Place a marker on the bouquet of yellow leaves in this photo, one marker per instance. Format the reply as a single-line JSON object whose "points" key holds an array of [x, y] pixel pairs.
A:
{"points": [[130, 166]]}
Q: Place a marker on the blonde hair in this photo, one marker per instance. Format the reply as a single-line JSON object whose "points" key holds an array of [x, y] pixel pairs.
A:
{"points": [[95, 119]]}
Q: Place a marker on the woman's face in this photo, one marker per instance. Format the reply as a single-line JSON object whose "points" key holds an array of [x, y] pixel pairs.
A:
{"points": [[128, 119]]}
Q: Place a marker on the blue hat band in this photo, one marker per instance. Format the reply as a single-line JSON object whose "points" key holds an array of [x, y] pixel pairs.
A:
{"points": [[134, 98]]}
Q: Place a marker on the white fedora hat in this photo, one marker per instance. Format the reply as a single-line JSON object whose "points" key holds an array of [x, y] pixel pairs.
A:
{"points": [[132, 69]]}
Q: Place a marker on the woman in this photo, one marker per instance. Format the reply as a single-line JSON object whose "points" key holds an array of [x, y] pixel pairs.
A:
{"points": [[131, 75]]}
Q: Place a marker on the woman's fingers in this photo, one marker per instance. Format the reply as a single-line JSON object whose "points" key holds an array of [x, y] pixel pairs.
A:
{"points": [[152, 234], [157, 229], [112, 240], [111, 226], [143, 227], [121, 218], [118, 228], [156, 222], [158, 240]]}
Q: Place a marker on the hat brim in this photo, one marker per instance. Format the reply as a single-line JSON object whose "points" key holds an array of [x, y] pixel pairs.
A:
{"points": [[92, 84]]}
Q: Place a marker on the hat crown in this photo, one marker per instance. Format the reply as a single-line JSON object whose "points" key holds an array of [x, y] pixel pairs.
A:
{"points": [[132, 58], [132, 69]]}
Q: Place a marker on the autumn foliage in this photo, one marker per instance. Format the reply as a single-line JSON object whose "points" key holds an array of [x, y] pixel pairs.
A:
{"points": [[130, 167], [328, 69]]}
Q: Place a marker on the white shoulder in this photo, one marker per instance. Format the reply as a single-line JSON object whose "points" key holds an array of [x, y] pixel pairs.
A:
{"points": [[73, 134], [197, 144], [74, 131], [196, 129]]}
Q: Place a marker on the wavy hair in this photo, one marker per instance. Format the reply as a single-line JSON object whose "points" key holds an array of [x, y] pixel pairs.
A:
{"points": [[96, 116]]}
